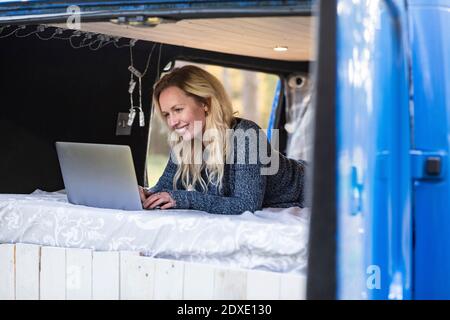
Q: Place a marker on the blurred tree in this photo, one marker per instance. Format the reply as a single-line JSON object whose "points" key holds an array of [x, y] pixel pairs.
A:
{"points": [[250, 96]]}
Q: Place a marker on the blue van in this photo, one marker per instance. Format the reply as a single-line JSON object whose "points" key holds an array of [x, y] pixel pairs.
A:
{"points": [[381, 192], [380, 115]]}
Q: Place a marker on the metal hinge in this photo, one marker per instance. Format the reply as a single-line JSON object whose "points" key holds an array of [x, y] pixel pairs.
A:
{"points": [[428, 165]]}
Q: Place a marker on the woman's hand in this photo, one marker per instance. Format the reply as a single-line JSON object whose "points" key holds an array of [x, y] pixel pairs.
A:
{"points": [[144, 194], [161, 199]]}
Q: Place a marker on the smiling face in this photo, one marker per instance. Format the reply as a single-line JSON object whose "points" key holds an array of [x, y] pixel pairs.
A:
{"points": [[181, 111]]}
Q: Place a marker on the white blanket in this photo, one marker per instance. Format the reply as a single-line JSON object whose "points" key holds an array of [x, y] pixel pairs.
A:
{"points": [[273, 239]]}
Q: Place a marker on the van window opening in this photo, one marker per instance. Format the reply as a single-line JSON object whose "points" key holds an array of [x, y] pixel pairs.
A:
{"points": [[251, 93]]}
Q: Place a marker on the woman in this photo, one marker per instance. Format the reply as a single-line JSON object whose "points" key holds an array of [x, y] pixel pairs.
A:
{"points": [[210, 168]]}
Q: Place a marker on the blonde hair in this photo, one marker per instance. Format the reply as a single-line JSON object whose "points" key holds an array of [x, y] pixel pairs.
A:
{"points": [[205, 89]]}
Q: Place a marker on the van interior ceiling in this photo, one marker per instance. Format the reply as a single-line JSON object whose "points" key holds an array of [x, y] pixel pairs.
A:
{"points": [[251, 36], [53, 90]]}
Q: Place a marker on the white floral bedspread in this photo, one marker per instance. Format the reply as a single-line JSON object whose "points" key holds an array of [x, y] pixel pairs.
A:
{"points": [[273, 239]]}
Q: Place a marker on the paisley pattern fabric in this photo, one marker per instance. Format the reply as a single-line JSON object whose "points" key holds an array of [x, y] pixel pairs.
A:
{"points": [[273, 239]]}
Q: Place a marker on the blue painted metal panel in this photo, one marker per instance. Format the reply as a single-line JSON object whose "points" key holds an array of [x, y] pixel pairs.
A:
{"points": [[430, 44], [273, 113], [374, 248], [38, 7]]}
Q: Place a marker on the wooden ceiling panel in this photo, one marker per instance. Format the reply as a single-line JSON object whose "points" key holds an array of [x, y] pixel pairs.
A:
{"points": [[255, 37]]}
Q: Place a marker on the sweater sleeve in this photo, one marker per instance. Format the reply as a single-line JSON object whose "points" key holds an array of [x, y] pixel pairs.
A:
{"points": [[248, 194]]}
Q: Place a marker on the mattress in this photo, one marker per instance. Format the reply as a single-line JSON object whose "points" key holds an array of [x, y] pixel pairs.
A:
{"points": [[273, 239]]}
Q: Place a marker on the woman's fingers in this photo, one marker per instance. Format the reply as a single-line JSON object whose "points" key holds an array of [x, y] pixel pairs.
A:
{"points": [[158, 199], [142, 194], [170, 204], [158, 202], [151, 201], [167, 205]]}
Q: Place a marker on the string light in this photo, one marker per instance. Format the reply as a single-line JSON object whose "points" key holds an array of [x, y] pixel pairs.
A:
{"points": [[89, 40], [94, 42], [132, 84]]}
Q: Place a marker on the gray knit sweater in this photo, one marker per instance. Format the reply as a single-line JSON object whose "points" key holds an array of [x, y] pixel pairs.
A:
{"points": [[244, 188]]}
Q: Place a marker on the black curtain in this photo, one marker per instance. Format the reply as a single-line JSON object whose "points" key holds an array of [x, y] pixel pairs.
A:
{"points": [[53, 92]]}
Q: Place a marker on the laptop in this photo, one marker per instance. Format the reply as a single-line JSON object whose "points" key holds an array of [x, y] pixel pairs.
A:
{"points": [[99, 175]]}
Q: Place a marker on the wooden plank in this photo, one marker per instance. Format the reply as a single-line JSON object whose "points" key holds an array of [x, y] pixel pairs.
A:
{"points": [[7, 272], [230, 284], [53, 274], [137, 276], [246, 36], [78, 274], [27, 271], [292, 287], [302, 33], [198, 281], [168, 279], [263, 285], [105, 276]]}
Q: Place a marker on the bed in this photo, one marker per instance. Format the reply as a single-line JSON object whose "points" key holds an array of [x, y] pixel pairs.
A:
{"points": [[267, 244]]}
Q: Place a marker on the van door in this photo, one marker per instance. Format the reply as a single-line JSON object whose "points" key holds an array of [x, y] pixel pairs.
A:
{"points": [[374, 227], [430, 44]]}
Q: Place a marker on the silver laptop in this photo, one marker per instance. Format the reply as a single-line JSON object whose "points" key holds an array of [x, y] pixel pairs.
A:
{"points": [[99, 175]]}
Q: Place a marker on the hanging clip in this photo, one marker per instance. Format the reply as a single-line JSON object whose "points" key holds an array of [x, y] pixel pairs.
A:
{"points": [[132, 86], [134, 71], [131, 117], [141, 118]]}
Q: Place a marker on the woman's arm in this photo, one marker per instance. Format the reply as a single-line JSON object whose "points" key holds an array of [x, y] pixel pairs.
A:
{"points": [[248, 194]]}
